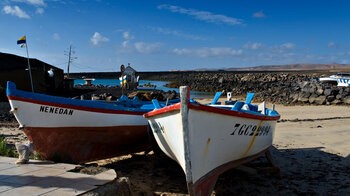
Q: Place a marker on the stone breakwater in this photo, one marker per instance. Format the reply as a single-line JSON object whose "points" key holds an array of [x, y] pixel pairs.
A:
{"points": [[277, 87]]}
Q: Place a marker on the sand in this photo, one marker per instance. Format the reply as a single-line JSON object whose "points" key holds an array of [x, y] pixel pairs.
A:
{"points": [[311, 147]]}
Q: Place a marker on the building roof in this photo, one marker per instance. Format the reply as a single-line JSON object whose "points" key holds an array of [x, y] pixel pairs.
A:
{"points": [[13, 62], [129, 70]]}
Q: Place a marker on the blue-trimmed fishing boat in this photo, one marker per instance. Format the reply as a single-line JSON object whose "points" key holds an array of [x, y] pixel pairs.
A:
{"points": [[80, 130], [207, 140]]}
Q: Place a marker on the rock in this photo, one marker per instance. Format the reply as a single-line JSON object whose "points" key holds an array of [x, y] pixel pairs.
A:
{"points": [[132, 95], [294, 98], [312, 98], [304, 97], [337, 102], [120, 186], [245, 78], [330, 98], [321, 100], [319, 91], [24, 151], [85, 97], [111, 98], [146, 97], [312, 89], [327, 92], [95, 97], [346, 100], [339, 97]]}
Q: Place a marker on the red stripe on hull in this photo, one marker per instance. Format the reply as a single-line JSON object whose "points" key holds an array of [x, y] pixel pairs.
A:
{"points": [[89, 109], [83, 144], [163, 110], [205, 185], [211, 109]]}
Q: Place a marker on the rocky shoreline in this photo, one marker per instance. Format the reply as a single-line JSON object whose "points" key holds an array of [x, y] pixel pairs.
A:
{"points": [[276, 87]]}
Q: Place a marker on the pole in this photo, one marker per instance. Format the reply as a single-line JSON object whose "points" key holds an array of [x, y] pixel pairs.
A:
{"points": [[30, 70], [122, 85], [69, 59]]}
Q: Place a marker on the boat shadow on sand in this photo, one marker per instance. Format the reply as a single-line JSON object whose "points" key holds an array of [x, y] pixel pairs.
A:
{"points": [[304, 171]]}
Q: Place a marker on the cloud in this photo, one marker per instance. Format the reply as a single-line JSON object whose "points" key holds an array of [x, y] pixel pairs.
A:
{"points": [[15, 11], [287, 46], [330, 44], [97, 39], [202, 15], [205, 52], [127, 35], [125, 44], [56, 36], [281, 49], [147, 48], [32, 2], [177, 33], [140, 47], [253, 46], [259, 14], [40, 10]]}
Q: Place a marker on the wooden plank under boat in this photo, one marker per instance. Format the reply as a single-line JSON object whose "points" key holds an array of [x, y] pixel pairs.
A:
{"points": [[207, 140], [78, 131]]}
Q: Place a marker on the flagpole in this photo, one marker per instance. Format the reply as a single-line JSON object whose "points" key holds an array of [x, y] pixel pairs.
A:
{"points": [[30, 70]]}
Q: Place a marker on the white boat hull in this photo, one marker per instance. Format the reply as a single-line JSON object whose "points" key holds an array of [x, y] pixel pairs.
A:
{"points": [[78, 131], [206, 142], [343, 82]]}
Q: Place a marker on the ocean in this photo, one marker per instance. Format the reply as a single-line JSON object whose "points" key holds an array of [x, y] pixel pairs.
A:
{"points": [[159, 84]]}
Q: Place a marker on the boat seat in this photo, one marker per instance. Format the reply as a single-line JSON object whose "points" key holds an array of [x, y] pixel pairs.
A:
{"points": [[156, 104], [238, 106], [216, 98], [123, 98], [147, 107]]}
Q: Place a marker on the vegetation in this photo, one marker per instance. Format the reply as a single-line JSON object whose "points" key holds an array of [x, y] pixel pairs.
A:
{"points": [[5, 150]]}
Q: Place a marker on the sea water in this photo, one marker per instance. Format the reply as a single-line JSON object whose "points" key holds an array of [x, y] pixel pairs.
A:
{"points": [[160, 86]]}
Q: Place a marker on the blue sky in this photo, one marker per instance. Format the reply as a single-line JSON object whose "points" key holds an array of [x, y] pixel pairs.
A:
{"points": [[160, 35]]}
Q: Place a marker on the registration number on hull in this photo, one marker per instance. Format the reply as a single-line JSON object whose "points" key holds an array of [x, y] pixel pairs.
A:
{"points": [[249, 130]]}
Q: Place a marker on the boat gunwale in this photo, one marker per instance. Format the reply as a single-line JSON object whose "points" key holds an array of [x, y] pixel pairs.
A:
{"points": [[206, 108], [85, 105], [69, 106]]}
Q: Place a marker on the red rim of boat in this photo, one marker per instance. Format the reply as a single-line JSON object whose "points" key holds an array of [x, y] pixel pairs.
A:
{"points": [[89, 109], [211, 109]]}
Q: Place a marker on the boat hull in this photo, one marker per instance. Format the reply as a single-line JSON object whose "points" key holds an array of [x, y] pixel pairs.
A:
{"points": [[207, 141], [83, 144]]}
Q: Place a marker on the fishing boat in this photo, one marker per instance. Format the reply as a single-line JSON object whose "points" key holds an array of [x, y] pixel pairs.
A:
{"points": [[343, 82], [333, 79], [72, 130], [146, 88], [207, 140]]}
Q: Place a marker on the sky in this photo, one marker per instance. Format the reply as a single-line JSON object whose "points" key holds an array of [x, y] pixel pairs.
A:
{"points": [[159, 35]]}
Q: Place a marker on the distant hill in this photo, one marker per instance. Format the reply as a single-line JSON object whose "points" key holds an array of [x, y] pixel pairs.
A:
{"points": [[289, 67]]}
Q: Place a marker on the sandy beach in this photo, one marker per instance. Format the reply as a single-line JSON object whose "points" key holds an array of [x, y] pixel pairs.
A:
{"points": [[311, 148]]}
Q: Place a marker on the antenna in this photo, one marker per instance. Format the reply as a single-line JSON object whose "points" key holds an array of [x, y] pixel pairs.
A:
{"points": [[70, 57]]}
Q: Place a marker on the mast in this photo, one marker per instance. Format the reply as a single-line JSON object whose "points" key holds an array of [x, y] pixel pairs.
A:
{"points": [[69, 59]]}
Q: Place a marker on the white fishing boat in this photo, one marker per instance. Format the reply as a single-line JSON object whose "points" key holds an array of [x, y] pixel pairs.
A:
{"points": [[343, 82], [207, 140], [78, 131], [146, 89], [333, 79]]}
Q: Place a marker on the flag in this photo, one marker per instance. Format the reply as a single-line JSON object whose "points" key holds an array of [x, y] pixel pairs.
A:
{"points": [[122, 80], [22, 40]]}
